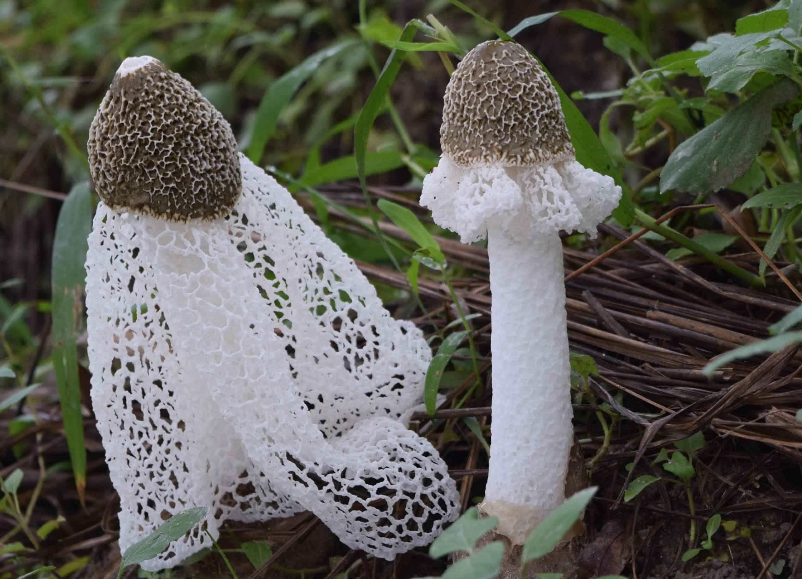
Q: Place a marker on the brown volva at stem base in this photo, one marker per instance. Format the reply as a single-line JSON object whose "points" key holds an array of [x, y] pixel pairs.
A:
{"points": [[565, 557]]}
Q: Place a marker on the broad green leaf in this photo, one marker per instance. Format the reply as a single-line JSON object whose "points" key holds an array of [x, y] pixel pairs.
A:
{"points": [[637, 485], [484, 564], [788, 321], [770, 345], [409, 222], [6, 372], [785, 196], [155, 543], [795, 15], [36, 572], [435, 371], [680, 466], [476, 428], [462, 534], [13, 481], [280, 93], [17, 396], [726, 49], [713, 524], [662, 456], [547, 534], [69, 255], [692, 444], [690, 554], [735, 77], [761, 22], [777, 236], [345, 168], [257, 552], [583, 365], [592, 21], [50, 526], [715, 242], [716, 156], [420, 46]]}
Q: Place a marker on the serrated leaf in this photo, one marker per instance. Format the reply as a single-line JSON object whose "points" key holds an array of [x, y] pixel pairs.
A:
{"points": [[169, 531], [13, 481], [462, 534], [547, 534], [17, 396], [715, 242], [436, 367], [770, 345], [679, 466], [280, 93], [637, 485], [785, 196], [484, 564], [717, 155], [692, 444], [761, 22], [409, 222], [257, 552], [788, 322]]}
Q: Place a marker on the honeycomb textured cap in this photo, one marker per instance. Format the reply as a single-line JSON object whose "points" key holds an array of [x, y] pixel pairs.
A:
{"points": [[158, 147], [501, 108]]}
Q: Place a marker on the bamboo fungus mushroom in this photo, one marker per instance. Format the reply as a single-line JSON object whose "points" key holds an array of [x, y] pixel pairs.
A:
{"points": [[240, 360], [508, 172]]}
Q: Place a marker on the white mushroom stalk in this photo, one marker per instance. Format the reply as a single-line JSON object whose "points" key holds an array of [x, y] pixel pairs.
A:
{"points": [[508, 172], [240, 360]]}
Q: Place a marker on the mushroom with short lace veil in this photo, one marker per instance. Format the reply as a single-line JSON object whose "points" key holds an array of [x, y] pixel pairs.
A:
{"points": [[240, 361]]}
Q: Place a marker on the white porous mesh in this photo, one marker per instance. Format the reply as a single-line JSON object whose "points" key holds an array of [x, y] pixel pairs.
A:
{"points": [[526, 201], [275, 326], [167, 445]]}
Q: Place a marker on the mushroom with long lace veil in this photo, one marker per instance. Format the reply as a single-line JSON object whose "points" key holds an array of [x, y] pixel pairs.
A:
{"points": [[240, 361]]}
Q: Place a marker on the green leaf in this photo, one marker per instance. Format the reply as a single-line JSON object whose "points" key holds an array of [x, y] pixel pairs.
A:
{"points": [[750, 181], [637, 485], [777, 236], [69, 255], [6, 372], [797, 122], [484, 564], [409, 222], [795, 16], [222, 96], [716, 156], [690, 554], [155, 543], [692, 444], [715, 242], [71, 567], [13, 482], [680, 466], [412, 274], [435, 371], [662, 456], [421, 46], [475, 427], [280, 93], [462, 534], [713, 524], [735, 77], [498, 31], [345, 168], [788, 322], [592, 21], [257, 552], [785, 196], [17, 396], [11, 548], [50, 526], [777, 567], [36, 572], [770, 345], [761, 22], [547, 534], [583, 365]]}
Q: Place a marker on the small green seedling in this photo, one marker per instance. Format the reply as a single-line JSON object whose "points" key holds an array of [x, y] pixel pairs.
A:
{"points": [[713, 525]]}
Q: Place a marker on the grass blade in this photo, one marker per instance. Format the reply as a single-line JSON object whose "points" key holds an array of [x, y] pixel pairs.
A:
{"points": [[69, 254]]}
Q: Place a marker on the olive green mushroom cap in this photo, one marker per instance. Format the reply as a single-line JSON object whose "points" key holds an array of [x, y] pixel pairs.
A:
{"points": [[500, 108], [158, 147]]}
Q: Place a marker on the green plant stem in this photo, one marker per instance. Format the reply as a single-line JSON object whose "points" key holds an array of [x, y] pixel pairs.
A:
{"points": [[668, 233], [468, 329], [222, 554], [608, 432], [787, 154], [692, 510]]}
